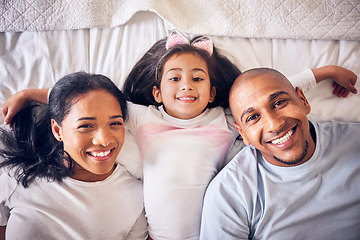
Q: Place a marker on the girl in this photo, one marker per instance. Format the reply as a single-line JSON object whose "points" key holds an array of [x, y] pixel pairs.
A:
{"points": [[180, 127], [60, 180]]}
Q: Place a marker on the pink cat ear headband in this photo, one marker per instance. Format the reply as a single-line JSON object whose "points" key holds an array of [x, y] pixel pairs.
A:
{"points": [[176, 38]]}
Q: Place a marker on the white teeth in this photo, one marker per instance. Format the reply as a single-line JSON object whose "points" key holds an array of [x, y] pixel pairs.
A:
{"points": [[186, 98], [100, 154], [284, 138]]}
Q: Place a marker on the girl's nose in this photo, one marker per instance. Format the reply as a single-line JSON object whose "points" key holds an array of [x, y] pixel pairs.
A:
{"points": [[186, 84]]}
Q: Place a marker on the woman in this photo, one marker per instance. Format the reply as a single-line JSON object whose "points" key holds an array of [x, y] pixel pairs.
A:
{"points": [[60, 179]]}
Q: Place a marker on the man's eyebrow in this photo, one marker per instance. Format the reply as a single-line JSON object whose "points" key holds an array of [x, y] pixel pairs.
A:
{"points": [[276, 94], [247, 111]]}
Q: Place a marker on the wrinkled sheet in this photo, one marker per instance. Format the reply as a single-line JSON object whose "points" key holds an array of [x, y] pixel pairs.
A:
{"points": [[37, 59]]}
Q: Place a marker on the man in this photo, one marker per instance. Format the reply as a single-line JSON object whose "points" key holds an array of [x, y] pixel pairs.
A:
{"points": [[296, 179]]}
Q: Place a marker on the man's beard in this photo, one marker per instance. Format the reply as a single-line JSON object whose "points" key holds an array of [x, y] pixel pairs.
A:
{"points": [[298, 160]]}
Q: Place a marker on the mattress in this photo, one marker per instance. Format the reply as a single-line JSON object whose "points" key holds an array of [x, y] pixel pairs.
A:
{"points": [[32, 56]]}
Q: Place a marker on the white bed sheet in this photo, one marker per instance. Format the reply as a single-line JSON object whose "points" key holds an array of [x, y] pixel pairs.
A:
{"points": [[39, 59]]}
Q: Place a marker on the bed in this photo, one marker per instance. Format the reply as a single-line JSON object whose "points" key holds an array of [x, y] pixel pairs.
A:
{"points": [[43, 40]]}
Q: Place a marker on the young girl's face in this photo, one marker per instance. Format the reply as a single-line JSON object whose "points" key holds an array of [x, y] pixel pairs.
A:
{"points": [[185, 88]]}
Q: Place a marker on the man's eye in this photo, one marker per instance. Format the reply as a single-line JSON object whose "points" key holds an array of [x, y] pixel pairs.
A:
{"points": [[279, 103], [251, 118], [116, 124]]}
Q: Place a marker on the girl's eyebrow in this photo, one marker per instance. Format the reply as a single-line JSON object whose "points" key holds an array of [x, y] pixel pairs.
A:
{"points": [[93, 118], [200, 69], [194, 70]]}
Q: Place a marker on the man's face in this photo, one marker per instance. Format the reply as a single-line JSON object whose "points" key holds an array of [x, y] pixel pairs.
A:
{"points": [[272, 117]]}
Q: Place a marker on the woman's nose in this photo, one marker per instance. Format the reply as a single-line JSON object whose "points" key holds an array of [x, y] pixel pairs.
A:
{"points": [[102, 137]]}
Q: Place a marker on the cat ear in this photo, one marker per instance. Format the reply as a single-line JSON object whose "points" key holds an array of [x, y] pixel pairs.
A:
{"points": [[176, 38], [204, 43]]}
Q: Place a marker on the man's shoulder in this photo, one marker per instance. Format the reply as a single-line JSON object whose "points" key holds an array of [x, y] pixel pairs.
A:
{"points": [[336, 124], [338, 130], [243, 163]]}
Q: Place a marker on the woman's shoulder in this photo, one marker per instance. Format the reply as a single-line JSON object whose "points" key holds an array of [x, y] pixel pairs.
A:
{"points": [[8, 182]]}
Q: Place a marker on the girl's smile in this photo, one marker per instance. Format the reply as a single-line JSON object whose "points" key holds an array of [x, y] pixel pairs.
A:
{"points": [[185, 88]]}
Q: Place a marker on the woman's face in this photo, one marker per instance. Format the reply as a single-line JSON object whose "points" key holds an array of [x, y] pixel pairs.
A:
{"points": [[93, 134], [185, 88]]}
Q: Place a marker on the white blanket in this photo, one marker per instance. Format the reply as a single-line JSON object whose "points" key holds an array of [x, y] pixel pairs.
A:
{"points": [[37, 59], [301, 19]]}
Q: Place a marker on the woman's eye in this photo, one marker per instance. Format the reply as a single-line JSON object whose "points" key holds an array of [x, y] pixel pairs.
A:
{"points": [[84, 126]]}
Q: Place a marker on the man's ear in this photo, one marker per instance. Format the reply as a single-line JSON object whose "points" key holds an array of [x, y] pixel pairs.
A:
{"points": [[238, 128], [212, 94], [303, 99], [157, 94], [56, 130]]}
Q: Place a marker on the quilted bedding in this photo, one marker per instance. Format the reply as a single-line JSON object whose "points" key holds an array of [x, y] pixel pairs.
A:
{"points": [[300, 19]]}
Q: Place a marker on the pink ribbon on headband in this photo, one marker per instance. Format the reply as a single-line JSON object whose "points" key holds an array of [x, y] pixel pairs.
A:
{"points": [[176, 38]]}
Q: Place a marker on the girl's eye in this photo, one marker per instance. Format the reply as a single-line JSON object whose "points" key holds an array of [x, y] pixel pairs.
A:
{"points": [[175, 79], [197, 79]]}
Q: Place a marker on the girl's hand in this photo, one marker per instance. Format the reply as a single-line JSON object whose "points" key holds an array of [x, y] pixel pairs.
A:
{"points": [[15, 103], [12, 106], [344, 79]]}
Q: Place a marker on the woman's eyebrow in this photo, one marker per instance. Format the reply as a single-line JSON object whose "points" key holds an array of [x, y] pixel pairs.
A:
{"points": [[93, 118], [85, 118]]}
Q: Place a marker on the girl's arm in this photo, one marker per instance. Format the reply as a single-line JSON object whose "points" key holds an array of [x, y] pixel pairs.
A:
{"points": [[344, 79], [2, 232], [19, 99]]}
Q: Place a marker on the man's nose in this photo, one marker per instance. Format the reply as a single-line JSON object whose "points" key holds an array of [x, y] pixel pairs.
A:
{"points": [[272, 121]]}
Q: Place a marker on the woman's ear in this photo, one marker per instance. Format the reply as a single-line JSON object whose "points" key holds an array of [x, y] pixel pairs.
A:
{"points": [[212, 94], [56, 130], [157, 94], [303, 99]]}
